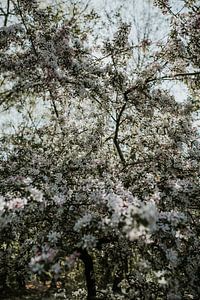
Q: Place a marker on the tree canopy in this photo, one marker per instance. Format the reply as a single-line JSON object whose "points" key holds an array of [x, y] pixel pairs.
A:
{"points": [[99, 176]]}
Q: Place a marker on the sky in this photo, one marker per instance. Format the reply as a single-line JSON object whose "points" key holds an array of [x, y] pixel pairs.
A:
{"points": [[134, 11]]}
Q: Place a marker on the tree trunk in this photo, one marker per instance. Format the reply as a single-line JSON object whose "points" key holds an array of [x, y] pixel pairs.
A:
{"points": [[89, 274], [116, 281]]}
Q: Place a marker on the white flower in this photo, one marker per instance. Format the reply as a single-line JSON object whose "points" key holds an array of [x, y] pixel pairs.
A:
{"points": [[88, 241], [115, 202], [2, 203], [83, 222], [136, 233], [59, 199], [162, 281], [36, 194], [43, 4], [17, 203], [53, 236], [159, 273], [27, 180]]}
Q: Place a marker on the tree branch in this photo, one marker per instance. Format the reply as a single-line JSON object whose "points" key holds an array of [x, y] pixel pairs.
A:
{"points": [[174, 77], [54, 105], [27, 30], [7, 13], [115, 139]]}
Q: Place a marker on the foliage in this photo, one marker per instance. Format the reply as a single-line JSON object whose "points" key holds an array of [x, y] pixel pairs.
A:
{"points": [[100, 179]]}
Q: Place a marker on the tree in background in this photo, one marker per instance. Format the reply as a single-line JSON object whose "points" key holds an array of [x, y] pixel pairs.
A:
{"points": [[103, 168]]}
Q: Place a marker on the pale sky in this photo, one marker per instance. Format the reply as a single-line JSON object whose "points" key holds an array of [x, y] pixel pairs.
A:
{"points": [[138, 11]]}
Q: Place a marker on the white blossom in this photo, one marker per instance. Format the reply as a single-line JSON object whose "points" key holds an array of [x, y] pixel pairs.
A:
{"points": [[36, 194], [83, 222], [2, 203], [16, 203]]}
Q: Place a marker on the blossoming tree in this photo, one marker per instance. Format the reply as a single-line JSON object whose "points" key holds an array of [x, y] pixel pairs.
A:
{"points": [[103, 167]]}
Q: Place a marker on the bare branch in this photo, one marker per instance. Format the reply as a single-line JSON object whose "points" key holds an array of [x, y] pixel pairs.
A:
{"points": [[27, 30], [7, 13], [173, 77], [115, 139]]}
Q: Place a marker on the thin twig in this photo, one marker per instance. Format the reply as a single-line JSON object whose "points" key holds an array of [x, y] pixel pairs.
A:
{"points": [[27, 30], [7, 13], [174, 77]]}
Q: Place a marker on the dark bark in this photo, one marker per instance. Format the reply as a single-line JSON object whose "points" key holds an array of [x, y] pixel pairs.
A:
{"points": [[3, 272], [116, 281], [89, 273], [115, 139]]}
